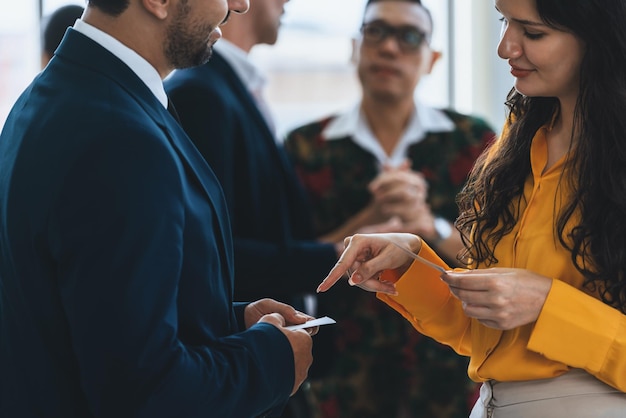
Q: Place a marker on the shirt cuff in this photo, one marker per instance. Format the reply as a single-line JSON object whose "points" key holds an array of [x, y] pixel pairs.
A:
{"points": [[421, 292], [575, 328]]}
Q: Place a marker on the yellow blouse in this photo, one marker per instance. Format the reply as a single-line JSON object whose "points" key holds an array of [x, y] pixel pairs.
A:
{"points": [[574, 329]]}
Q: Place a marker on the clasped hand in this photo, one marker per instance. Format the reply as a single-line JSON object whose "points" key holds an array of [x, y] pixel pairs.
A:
{"points": [[502, 298], [399, 193]]}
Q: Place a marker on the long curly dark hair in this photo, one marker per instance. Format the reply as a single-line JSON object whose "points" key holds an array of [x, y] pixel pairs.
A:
{"points": [[597, 162]]}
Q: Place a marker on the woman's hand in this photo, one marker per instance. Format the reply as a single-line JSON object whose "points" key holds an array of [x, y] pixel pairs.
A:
{"points": [[501, 298], [367, 256]]}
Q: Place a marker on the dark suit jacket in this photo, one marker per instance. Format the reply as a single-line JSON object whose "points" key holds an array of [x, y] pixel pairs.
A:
{"points": [[275, 250], [116, 259]]}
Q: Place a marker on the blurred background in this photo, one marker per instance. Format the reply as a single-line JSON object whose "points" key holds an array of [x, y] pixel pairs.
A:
{"points": [[309, 69]]}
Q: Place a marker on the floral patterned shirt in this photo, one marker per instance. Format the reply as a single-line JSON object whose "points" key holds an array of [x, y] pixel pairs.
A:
{"points": [[383, 367]]}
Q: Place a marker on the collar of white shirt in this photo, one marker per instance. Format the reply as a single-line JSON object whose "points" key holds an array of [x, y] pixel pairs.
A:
{"points": [[237, 58], [144, 70], [354, 124], [250, 75]]}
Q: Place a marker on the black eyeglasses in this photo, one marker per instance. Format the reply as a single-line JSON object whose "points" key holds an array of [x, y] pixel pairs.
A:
{"points": [[409, 38]]}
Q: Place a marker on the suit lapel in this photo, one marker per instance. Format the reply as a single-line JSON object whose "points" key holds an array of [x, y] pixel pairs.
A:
{"points": [[245, 97], [294, 195], [80, 49]]}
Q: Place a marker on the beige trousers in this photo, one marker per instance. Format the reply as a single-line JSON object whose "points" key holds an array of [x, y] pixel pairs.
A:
{"points": [[575, 394]]}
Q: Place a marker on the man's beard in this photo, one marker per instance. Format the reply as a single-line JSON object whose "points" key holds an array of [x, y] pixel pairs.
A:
{"points": [[187, 46]]}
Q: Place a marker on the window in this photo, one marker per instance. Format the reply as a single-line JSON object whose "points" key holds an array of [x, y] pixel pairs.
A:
{"points": [[309, 69], [310, 74], [19, 32]]}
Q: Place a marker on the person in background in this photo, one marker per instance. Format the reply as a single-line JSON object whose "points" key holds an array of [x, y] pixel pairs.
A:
{"points": [[542, 311], [390, 163], [54, 27], [222, 109], [116, 262]]}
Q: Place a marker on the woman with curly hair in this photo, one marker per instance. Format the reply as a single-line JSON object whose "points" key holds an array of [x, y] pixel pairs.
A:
{"points": [[541, 309]]}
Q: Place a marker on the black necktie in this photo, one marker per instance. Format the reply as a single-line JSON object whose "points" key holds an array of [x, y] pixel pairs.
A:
{"points": [[172, 110]]}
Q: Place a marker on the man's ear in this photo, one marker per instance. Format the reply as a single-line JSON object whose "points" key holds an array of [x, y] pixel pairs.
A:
{"points": [[354, 57], [435, 56], [159, 8]]}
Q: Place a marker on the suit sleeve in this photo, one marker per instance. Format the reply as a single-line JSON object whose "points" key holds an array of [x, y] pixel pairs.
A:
{"points": [[212, 127], [298, 267], [117, 233]]}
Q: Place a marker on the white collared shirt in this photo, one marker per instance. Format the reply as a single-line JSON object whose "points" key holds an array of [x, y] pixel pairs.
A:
{"points": [[144, 70], [354, 124], [249, 74]]}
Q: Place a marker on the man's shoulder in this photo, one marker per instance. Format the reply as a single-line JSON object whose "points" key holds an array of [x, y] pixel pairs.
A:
{"points": [[206, 81], [469, 130], [202, 74], [86, 101], [311, 130], [464, 119]]}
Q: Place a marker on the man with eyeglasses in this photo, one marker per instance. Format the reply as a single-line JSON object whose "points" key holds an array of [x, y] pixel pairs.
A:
{"points": [[391, 163]]}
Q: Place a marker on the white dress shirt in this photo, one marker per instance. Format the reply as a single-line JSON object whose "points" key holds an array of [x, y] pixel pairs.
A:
{"points": [[354, 124], [144, 70], [250, 75]]}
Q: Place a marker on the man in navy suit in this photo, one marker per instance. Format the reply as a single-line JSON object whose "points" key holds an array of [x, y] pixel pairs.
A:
{"points": [[116, 261], [222, 110]]}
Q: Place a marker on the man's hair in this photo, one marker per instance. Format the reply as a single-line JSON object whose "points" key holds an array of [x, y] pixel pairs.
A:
{"points": [[111, 7], [380, 1], [55, 25], [419, 2]]}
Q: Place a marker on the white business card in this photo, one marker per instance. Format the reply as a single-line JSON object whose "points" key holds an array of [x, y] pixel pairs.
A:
{"points": [[325, 320]]}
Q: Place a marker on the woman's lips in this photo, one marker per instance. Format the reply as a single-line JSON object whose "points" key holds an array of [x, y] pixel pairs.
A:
{"points": [[520, 72]]}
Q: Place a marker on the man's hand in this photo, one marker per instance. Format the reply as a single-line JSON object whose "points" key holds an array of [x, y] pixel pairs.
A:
{"points": [[397, 204], [399, 192], [301, 344], [281, 315], [256, 310]]}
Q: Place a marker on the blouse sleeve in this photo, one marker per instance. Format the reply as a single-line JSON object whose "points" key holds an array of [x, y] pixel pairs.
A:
{"points": [[426, 302], [591, 337]]}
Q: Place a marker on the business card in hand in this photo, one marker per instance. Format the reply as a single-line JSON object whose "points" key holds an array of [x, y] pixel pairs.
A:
{"points": [[325, 320]]}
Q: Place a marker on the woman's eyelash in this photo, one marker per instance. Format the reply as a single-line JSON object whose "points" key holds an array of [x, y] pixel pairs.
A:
{"points": [[533, 36]]}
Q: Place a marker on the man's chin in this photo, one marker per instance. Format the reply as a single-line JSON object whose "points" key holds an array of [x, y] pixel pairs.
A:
{"points": [[199, 59], [207, 56]]}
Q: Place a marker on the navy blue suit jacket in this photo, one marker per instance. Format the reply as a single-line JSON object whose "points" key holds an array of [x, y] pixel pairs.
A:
{"points": [[116, 260], [276, 253]]}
